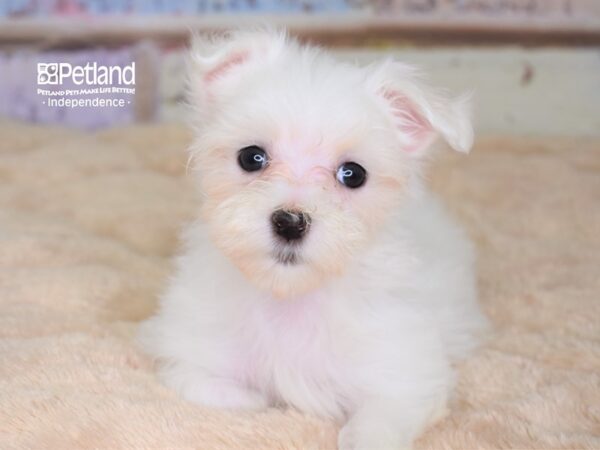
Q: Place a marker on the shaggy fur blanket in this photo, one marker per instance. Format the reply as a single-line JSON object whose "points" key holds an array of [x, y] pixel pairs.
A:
{"points": [[88, 223]]}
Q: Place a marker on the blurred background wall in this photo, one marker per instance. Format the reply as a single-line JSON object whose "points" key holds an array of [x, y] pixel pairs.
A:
{"points": [[534, 65]]}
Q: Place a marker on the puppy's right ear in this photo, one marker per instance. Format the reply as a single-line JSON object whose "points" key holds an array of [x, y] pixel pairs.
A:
{"points": [[218, 63], [418, 112]]}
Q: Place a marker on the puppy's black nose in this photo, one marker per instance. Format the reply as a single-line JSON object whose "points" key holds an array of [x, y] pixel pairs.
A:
{"points": [[289, 224]]}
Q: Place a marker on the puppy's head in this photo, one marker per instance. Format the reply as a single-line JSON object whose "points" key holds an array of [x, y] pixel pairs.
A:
{"points": [[301, 159]]}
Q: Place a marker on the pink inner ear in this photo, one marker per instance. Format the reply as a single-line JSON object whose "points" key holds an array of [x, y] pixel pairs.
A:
{"points": [[223, 67], [410, 121]]}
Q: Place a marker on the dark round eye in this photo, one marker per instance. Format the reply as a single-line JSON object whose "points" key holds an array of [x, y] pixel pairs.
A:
{"points": [[351, 175], [252, 158]]}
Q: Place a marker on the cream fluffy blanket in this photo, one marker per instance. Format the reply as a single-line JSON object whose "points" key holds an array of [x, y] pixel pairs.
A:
{"points": [[88, 223]]}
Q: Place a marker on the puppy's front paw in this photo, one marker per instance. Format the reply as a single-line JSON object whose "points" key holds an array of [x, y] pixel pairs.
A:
{"points": [[369, 433], [197, 387], [223, 394]]}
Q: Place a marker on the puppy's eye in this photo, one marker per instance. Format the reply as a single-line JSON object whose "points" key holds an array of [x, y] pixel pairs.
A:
{"points": [[252, 158], [351, 175]]}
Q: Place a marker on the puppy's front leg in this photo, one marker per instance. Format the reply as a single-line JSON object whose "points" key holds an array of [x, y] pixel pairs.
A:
{"points": [[391, 423], [198, 386]]}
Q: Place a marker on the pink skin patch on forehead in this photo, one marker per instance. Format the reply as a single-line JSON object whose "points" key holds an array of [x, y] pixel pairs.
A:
{"points": [[308, 164], [301, 158]]}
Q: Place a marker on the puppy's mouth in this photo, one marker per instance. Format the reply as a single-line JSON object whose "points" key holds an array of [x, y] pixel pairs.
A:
{"points": [[287, 256]]}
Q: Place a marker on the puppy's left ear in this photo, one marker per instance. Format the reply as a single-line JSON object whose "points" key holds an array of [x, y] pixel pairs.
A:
{"points": [[220, 63], [418, 112]]}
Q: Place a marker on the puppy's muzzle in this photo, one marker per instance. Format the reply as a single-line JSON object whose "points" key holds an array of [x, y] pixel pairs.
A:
{"points": [[290, 225]]}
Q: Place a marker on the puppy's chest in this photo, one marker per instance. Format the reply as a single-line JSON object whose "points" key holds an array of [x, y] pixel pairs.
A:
{"points": [[291, 332], [292, 344]]}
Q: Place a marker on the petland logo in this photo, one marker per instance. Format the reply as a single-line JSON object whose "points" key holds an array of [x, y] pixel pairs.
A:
{"points": [[90, 74], [65, 85]]}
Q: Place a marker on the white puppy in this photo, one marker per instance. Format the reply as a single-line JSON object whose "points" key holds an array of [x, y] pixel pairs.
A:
{"points": [[320, 274]]}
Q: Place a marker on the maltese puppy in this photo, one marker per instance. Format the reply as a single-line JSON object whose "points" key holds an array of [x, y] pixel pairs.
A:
{"points": [[320, 274]]}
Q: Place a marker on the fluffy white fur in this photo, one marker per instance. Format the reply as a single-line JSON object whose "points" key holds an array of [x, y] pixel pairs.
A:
{"points": [[365, 327]]}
